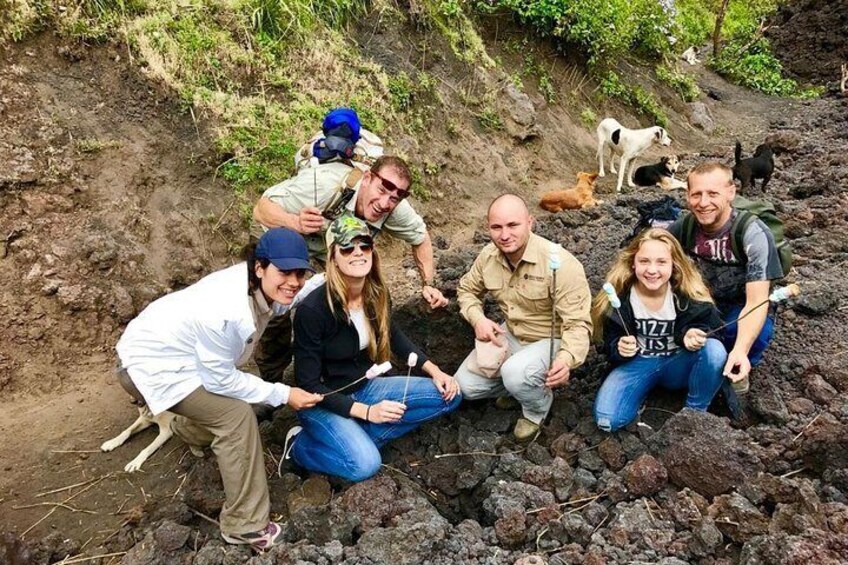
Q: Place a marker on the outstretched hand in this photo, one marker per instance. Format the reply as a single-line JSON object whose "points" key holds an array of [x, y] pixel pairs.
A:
{"points": [[300, 399]]}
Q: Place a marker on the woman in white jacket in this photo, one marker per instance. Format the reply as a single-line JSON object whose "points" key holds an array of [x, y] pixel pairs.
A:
{"points": [[183, 351]]}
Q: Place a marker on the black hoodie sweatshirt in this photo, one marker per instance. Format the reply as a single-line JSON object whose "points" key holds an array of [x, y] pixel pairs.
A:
{"points": [[690, 314]]}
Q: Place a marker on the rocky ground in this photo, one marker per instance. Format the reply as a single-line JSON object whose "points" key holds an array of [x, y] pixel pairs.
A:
{"points": [[459, 490]]}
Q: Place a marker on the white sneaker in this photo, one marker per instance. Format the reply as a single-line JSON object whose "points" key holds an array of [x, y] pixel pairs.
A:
{"points": [[287, 447]]}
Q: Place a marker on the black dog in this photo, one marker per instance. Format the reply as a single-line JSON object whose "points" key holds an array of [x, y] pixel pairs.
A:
{"points": [[760, 166], [661, 174]]}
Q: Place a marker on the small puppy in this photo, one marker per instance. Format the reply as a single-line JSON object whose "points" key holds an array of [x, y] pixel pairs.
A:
{"points": [[629, 143], [581, 196], [659, 174], [760, 166]]}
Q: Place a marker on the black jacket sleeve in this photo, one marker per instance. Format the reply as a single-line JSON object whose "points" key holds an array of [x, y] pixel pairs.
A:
{"points": [[699, 315], [613, 331], [311, 330], [402, 346]]}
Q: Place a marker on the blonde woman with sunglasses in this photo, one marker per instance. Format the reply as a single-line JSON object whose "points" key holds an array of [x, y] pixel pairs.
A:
{"points": [[340, 331]]}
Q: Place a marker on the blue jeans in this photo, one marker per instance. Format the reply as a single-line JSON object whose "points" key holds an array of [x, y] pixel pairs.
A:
{"points": [[628, 385], [755, 355], [349, 447]]}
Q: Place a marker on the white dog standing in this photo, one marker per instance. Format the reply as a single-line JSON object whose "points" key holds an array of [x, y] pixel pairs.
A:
{"points": [[629, 143]]}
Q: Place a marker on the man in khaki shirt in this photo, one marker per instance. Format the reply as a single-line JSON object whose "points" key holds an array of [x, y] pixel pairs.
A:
{"points": [[515, 270]]}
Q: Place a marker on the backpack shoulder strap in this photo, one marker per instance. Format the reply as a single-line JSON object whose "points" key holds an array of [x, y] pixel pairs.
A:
{"points": [[743, 219], [342, 195], [687, 233], [353, 177]]}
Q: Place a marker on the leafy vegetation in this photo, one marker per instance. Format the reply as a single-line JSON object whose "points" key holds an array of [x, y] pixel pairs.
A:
{"points": [[684, 85], [642, 100], [746, 58], [490, 119], [588, 118], [603, 29], [756, 67]]}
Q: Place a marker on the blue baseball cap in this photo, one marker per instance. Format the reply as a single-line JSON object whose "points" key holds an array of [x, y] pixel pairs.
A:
{"points": [[336, 119], [285, 249]]}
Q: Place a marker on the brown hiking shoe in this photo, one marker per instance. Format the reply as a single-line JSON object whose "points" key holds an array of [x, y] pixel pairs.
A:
{"points": [[505, 403], [742, 387], [525, 430]]}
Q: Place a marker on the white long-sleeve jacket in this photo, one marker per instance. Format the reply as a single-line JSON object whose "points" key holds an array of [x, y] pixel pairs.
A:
{"points": [[196, 337]]}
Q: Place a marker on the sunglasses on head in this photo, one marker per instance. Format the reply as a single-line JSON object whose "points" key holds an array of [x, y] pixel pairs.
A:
{"points": [[389, 186], [362, 244]]}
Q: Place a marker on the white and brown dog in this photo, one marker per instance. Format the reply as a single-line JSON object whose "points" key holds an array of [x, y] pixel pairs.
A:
{"points": [[659, 174], [629, 143], [145, 420]]}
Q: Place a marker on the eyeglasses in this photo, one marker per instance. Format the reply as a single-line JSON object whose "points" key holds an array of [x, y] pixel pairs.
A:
{"points": [[363, 245], [387, 186]]}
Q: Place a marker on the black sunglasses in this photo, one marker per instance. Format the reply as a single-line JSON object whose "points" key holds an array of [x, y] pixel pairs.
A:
{"points": [[359, 244], [389, 186]]}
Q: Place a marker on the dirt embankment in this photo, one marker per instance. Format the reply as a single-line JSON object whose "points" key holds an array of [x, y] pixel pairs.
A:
{"points": [[109, 196]]}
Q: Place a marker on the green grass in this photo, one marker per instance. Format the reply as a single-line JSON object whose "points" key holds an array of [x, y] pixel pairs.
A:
{"points": [[684, 85]]}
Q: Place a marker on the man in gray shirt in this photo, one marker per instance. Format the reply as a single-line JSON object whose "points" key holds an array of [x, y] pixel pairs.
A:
{"points": [[737, 283]]}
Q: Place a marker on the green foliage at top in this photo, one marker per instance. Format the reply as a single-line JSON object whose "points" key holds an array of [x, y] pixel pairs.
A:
{"points": [[756, 67], [603, 29], [695, 22], [280, 19], [746, 57]]}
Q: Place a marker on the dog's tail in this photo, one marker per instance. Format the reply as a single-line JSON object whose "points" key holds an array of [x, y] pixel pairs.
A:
{"points": [[738, 153]]}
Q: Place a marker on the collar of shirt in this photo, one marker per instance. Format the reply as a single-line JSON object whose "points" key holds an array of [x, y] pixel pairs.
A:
{"points": [[534, 252], [261, 309]]}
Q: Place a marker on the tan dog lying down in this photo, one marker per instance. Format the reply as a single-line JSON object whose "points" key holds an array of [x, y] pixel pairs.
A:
{"points": [[581, 196]]}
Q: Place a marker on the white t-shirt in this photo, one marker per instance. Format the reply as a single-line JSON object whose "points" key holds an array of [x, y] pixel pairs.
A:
{"points": [[654, 330], [358, 319]]}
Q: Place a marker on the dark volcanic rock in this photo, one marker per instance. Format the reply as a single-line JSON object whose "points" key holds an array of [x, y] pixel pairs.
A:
{"points": [[645, 476], [814, 546], [737, 518], [701, 451], [824, 445]]}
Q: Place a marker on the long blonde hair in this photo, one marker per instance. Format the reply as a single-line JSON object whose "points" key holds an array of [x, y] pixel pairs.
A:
{"points": [[375, 303], [685, 279]]}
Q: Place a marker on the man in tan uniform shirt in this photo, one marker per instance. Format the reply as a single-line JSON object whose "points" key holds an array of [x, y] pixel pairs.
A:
{"points": [[515, 269]]}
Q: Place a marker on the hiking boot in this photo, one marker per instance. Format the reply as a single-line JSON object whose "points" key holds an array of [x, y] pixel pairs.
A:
{"points": [[742, 387], [506, 403], [263, 540], [287, 447], [525, 430]]}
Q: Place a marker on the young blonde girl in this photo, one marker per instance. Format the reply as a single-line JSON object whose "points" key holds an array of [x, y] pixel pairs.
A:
{"points": [[658, 337]]}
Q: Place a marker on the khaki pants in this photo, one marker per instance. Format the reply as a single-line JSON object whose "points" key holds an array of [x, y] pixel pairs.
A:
{"points": [[229, 427], [522, 376]]}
